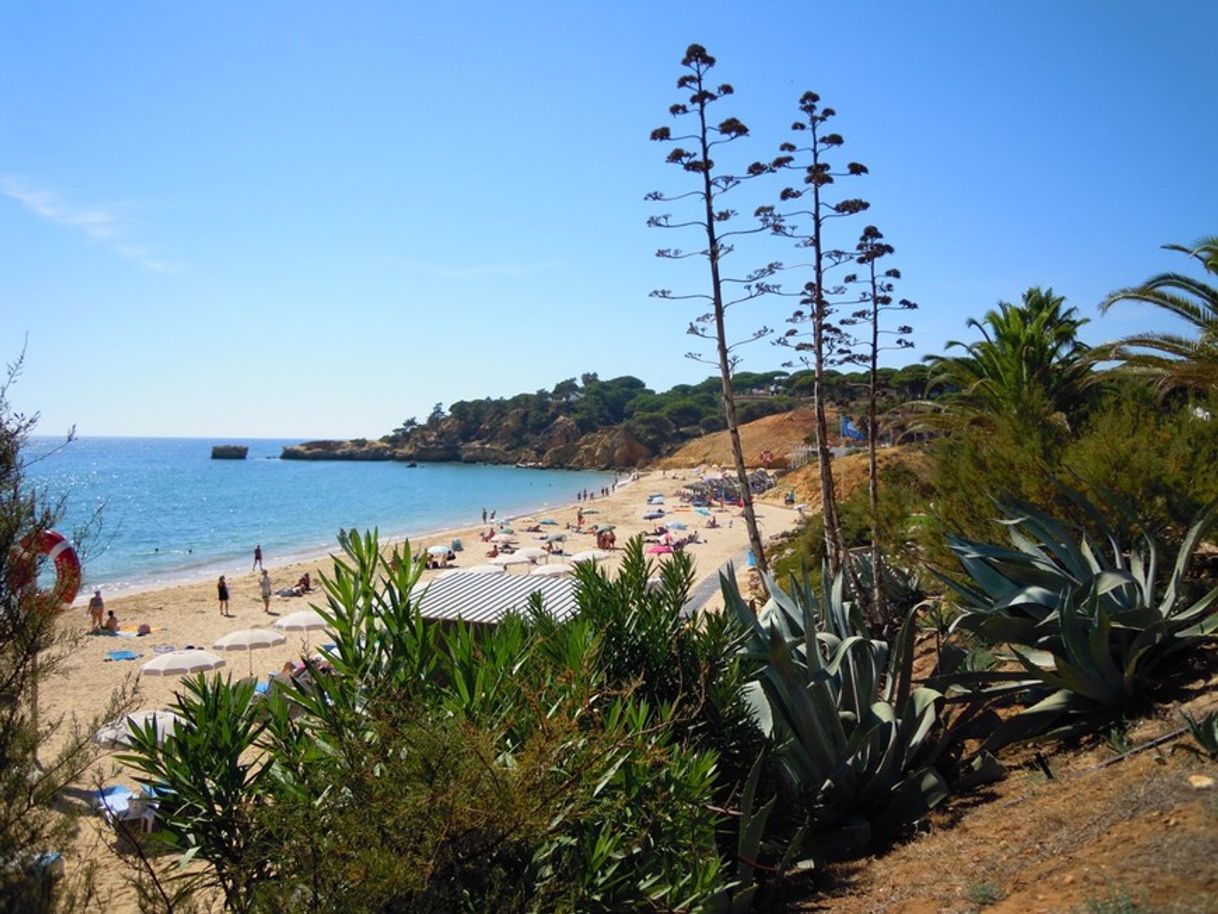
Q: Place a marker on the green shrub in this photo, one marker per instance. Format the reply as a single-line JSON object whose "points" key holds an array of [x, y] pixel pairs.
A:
{"points": [[1090, 623], [531, 766], [1156, 457]]}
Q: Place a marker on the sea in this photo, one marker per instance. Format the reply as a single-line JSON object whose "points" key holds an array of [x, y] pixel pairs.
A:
{"points": [[159, 511]]}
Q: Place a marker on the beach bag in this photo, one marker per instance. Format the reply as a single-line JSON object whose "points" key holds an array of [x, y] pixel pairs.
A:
{"points": [[144, 629]]}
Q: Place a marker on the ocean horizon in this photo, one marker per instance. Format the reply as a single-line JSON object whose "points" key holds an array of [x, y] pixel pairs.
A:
{"points": [[152, 512]]}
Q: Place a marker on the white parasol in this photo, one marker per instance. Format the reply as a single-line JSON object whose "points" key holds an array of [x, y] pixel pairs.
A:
{"points": [[552, 570], [249, 640], [512, 558], [305, 620], [180, 663], [589, 555], [118, 732]]}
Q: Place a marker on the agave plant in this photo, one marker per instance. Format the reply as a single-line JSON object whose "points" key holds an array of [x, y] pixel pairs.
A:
{"points": [[1204, 731], [1016, 593], [854, 737], [1091, 625]]}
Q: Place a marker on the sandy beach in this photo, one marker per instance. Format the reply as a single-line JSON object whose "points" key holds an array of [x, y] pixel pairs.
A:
{"points": [[188, 614]]}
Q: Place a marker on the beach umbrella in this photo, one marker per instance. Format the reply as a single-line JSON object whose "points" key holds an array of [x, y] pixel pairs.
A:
{"points": [[703, 511], [552, 570], [506, 530], [557, 538], [676, 525], [512, 558], [306, 620], [118, 732], [502, 538], [605, 528], [180, 663], [437, 550], [659, 550], [532, 552], [589, 555], [249, 640], [549, 522]]}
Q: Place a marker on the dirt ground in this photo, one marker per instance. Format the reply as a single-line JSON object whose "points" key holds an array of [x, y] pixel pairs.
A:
{"points": [[1122, 826]]}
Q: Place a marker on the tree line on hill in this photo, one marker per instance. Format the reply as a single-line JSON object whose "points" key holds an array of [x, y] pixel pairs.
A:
{"points": [[661, 422]]}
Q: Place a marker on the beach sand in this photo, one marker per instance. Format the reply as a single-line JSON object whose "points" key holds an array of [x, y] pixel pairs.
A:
{"points": [[189, 614]]}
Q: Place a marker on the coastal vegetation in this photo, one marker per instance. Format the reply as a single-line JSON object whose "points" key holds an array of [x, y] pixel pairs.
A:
{"points": [[32, 652], [1002, 581], [589, 422], [625, 759]]}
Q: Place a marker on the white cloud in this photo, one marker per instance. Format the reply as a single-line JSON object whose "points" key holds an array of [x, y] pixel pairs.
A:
{"points": [[94, 222]]}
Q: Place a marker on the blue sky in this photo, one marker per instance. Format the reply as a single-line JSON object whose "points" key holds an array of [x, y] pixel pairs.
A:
{"points": [[316, 220]]}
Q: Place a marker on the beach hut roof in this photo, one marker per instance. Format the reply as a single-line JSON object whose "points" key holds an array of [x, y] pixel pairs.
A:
{"points": [[488, 598]]}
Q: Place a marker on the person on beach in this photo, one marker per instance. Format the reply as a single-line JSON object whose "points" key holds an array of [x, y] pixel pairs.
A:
{"points": [[222, 593], [96, 608], [305, 583], [111, 622], [257, 558], [484, 515], [265, 584]]}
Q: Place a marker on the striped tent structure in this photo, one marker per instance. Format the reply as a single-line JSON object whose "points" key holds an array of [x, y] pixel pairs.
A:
{"points": [[486, 599]]}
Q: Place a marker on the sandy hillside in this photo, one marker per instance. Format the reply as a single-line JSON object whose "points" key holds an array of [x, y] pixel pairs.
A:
{"points": [[779, 434], [849, 475]]}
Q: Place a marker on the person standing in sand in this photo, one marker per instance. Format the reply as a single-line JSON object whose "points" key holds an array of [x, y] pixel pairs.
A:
{"points": [[257, 558], [96, 608], [265, 584], [222, 593]]}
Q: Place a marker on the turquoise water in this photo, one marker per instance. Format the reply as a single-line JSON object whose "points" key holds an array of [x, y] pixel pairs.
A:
{"points": [[168, 512]]}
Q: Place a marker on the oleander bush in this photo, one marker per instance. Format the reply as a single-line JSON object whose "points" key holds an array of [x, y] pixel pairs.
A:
{"points": [[537, 765]]}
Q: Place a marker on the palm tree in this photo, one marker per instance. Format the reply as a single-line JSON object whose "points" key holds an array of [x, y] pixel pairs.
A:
{"points": [[1172, 360], [1029, 363]]}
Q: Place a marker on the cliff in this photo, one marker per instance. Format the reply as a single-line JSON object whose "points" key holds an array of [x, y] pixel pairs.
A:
{"points": [[560, 446]]}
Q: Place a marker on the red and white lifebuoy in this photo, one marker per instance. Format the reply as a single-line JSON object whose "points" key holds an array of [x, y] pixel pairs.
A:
{"points": [[23, 568]]}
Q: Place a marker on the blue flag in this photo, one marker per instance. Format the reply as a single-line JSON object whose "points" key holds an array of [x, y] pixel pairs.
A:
{"points": [[850, 430]]}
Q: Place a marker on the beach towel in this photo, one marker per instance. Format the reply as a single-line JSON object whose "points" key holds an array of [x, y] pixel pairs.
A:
{"points": [[122, 655], [164, 649], [135, 631]]}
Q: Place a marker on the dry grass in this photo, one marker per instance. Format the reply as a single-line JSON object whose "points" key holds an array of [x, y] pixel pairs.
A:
{"points": [[779, 434]]}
